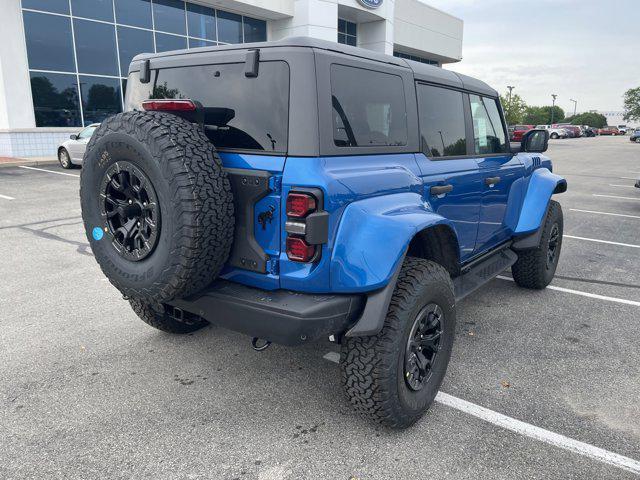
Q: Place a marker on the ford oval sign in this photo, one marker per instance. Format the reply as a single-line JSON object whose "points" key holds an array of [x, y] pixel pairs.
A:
{"points": [[370, 3]]}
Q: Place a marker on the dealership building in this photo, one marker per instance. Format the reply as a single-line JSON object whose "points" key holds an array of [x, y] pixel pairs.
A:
{"points": [[63, 63]]}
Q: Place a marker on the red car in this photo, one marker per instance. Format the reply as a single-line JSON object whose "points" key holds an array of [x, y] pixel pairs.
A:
{"points": [[609, 131], [518, 131]]}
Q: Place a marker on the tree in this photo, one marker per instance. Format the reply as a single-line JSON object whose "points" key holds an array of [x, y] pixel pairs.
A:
{"points": [[632, 104], [513, 109], [593, 119], [542, 115]]}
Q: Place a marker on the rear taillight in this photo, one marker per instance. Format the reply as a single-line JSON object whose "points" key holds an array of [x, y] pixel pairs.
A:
{"points": [[299, 205], [307, 225], [298, 250], [169, 106]]}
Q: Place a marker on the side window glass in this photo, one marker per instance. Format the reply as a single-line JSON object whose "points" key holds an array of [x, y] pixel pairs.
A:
{"points": [[87, 132], [369, 108], [488, 133], [442, 128]]}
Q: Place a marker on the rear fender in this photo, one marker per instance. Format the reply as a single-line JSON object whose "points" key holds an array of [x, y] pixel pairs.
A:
{"points": [[542, 185], [372, 239]]}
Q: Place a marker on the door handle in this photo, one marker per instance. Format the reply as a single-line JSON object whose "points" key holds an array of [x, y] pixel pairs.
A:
{"points": [[491, 181], [440, 189]]}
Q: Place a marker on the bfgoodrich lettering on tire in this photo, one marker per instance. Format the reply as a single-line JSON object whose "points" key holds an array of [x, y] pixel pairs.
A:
{"points": [[394, 376], [156, 204]]}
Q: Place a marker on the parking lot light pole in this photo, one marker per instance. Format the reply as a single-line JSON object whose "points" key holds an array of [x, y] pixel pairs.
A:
{"points": [[553, 107], [575, 105]]}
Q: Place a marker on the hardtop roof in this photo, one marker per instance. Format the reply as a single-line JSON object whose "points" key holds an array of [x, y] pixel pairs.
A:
{"points": [[421, 71]]}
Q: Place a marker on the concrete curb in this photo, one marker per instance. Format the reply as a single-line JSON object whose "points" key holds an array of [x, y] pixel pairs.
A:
{"points": [[31, 163]]}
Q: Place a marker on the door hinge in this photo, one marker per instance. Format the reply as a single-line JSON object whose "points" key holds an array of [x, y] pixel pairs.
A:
{"points": [[275, 183], [272, 266]]}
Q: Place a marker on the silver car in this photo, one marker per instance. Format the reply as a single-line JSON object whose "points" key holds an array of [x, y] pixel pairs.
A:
{"points": [[70, 152]]}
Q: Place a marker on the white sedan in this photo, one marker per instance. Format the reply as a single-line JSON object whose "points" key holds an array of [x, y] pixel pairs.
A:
{"points": [[70, 152]]}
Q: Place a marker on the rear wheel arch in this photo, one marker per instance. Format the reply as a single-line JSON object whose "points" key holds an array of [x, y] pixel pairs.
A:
{"points": [[439, 244]]}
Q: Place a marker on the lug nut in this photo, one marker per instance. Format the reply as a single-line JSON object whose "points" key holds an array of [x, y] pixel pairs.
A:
{"points": [[130, 202]]}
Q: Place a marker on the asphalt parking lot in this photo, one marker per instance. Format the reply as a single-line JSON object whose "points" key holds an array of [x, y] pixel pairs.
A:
{"points": [[87, 390]]}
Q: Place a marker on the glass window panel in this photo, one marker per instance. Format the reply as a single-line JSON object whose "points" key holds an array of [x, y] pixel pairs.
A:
{"points": [[254, 30], [98, 9], [131, 42], [351, 40], [229, 27], [371, 116], [55, 100], [196, 42], [342, 38], [95, 47], [168, 16], [55, 6], [202, 21], [165, 42], [342, 25], [442, 128], [134, 12], [488, 132], [86, 133], [351, 28], [100, 98], [49, 42], [253, 111]]}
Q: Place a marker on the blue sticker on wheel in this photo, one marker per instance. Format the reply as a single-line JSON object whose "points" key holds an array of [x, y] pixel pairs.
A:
{"points": [[98, 233]]}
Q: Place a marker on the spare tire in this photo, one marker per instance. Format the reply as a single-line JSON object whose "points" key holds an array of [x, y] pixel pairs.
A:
{"points": [[156, 204]]}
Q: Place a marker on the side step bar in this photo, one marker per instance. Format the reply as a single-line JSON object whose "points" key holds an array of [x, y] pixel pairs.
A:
{"points": [[482, 272]]}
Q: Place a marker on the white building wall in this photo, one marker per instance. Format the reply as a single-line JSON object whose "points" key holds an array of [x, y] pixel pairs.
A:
{"points": [[409, 26]]}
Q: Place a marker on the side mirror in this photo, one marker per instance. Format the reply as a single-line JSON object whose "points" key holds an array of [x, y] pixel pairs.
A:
{"points": [[535, 141], [73, 137]]}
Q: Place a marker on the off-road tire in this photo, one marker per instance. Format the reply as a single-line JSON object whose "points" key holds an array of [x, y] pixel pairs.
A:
{"points": [[532, 270], [372, 367], [196, 217], [155, 316]]}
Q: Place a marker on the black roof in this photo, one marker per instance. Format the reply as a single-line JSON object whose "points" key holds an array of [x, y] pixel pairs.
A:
{"points": [[422, 71]]}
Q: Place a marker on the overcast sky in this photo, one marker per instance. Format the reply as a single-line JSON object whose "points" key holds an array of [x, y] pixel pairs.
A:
{"points": [[588, 50]]}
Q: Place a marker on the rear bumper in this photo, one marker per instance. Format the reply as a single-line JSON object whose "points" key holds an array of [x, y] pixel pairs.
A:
{"points": [[281, 316]]}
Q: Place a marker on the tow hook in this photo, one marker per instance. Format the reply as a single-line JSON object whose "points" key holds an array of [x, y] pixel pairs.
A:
{"points": [[260, 344]]}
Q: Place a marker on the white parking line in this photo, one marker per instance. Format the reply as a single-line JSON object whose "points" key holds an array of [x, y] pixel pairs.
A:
{"points": [[621, 186], [528, 430], [628, 178], [540, 434], [584, 294], [601, 241], [7, 197], [49, 171], [616, 196], [604, 213]]}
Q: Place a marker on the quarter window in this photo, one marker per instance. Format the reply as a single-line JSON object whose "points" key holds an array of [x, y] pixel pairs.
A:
{"points": [[369, 108], [488, 132], [442, 127]]}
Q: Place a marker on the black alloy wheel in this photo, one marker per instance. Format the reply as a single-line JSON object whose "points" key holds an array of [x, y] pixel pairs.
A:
{"points": [[552, 247], [423, 346], [130, 209]]}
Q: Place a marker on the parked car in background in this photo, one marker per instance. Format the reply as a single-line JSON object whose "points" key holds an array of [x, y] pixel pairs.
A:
{"points": [[70, 152], [635, 136], [519, 131], [574, 130], [553, 131], [588, 131], [609, 131], [622, 129]]}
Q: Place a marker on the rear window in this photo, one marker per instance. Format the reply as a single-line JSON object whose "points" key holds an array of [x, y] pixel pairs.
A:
{"points": [[369, 108], [241, 113]]}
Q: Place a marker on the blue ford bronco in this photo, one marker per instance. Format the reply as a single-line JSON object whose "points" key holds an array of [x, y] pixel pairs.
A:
{"points": [[303, 190]]}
